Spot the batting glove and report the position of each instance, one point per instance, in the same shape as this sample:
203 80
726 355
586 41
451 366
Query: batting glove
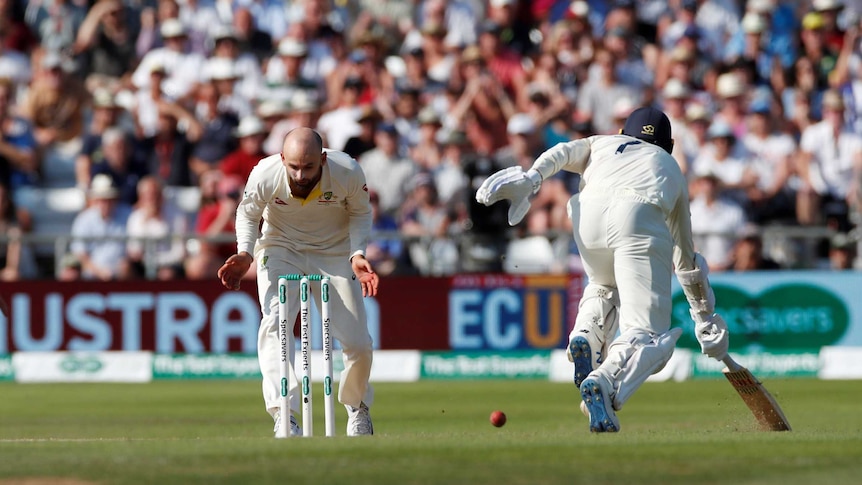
514 185
711 331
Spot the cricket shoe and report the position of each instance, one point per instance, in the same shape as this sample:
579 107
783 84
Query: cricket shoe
295 430
359 421
581 354
603 418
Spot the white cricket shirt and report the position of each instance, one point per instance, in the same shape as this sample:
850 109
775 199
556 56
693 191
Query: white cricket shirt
334 219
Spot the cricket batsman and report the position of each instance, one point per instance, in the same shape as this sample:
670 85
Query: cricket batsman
316 220
632 226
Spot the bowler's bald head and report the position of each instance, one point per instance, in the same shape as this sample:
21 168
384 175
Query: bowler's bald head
302 143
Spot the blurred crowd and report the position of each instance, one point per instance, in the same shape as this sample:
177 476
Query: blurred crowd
126 98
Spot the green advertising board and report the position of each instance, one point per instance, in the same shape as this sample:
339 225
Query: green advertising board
486 365
786 317
206 366
7 372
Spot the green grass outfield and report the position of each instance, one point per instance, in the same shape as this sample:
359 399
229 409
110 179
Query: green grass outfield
430 432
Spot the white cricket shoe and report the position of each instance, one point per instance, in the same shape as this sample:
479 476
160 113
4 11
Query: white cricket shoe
295 430
359 421
603 418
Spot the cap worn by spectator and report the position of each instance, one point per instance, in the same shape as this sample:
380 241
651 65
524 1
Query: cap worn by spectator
434 29
760 6
691 32
502 3
220 69
290 47
675 89
303 102
760 106
812 21
428 116
537 92
521 124
103 98
471 54
729 85
222 32
578 9
172 28
354 82
753 23
622 108
270 108
833 100
368 113
102 188
719 129
387 128
158 68
697 113
449 137
422 179
681 53
249 126
690 5
827 5
650 125
842 241
490 27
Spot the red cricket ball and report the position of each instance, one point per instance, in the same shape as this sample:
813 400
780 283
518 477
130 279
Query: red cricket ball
498 418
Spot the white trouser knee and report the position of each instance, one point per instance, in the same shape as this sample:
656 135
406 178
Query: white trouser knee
597 321
633 357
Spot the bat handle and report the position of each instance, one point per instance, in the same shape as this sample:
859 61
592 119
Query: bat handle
731 364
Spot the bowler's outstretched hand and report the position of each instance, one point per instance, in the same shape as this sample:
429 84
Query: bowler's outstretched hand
232 271
368 279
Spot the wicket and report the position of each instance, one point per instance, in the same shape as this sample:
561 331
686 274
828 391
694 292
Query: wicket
305 352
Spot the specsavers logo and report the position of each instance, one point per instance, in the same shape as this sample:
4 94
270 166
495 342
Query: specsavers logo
782 317
86 364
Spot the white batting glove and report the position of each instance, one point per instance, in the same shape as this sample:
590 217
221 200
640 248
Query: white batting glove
711 331
514 185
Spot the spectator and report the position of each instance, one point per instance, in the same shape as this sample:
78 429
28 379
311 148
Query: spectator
117 159
167 152
250 38
424 218
16 257
201 19
425 152
731 89
241 161
771 198
748 253
105 115
219 198
18 162
724 159
830 166
182 67
383 251
14 65
548 210
358 145
842 252
675 95
55 23
98 234
245 66
105 42
503 61
340 124
155 230
15 35
449 175
597 97
285 74
715 222
55 102
483 106
386 171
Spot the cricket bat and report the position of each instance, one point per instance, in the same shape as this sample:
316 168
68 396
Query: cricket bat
764 407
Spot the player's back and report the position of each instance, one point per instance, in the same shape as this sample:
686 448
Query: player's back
623 163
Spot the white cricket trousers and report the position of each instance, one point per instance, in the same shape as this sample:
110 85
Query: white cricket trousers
347 313
625 243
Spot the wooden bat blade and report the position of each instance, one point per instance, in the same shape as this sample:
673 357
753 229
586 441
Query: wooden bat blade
764 407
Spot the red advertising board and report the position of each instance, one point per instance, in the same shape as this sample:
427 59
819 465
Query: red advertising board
465 312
